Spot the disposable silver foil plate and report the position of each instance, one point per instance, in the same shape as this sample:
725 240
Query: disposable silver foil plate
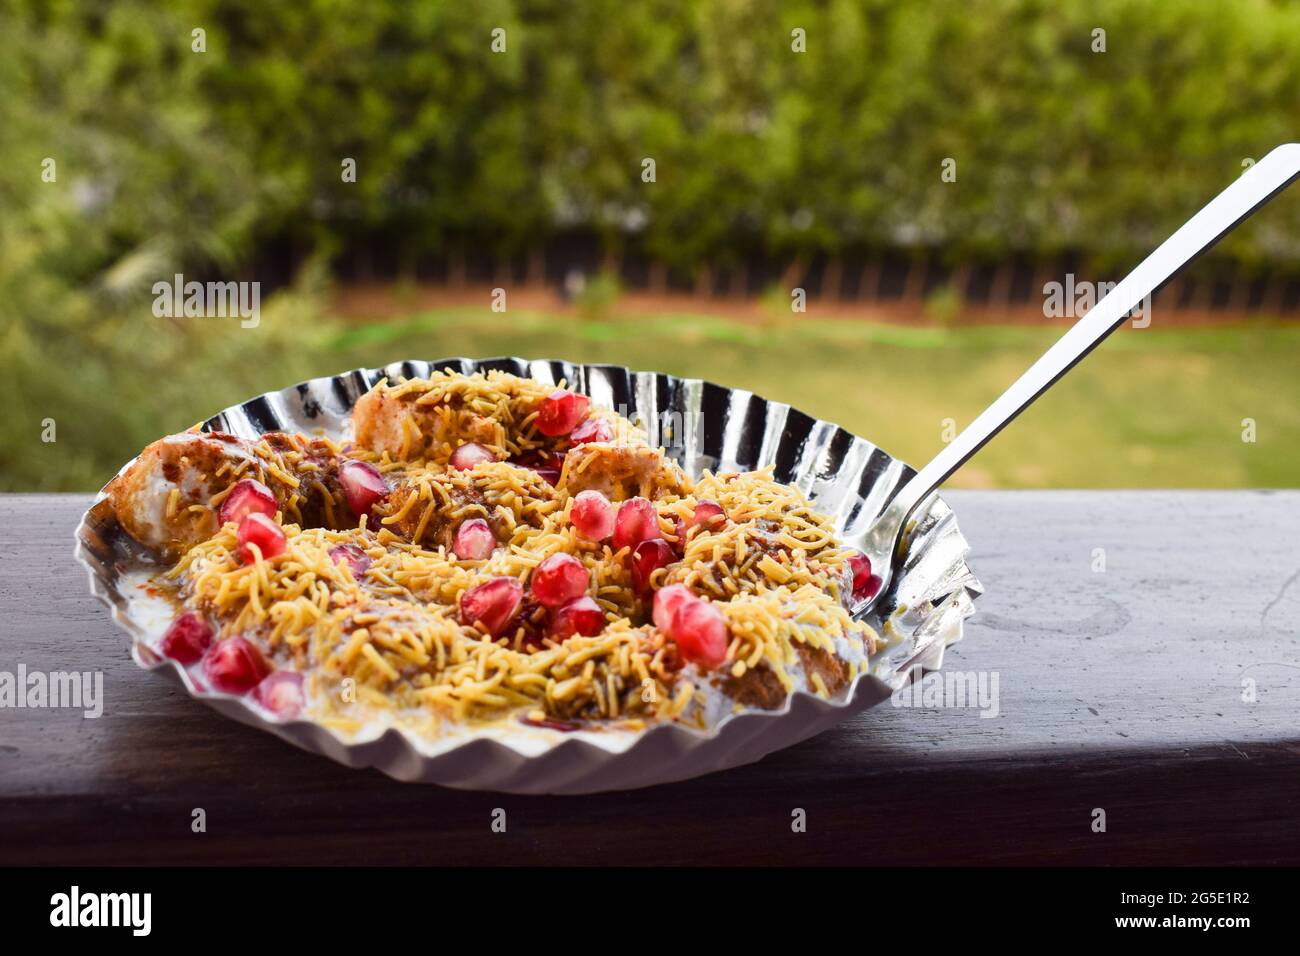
702 426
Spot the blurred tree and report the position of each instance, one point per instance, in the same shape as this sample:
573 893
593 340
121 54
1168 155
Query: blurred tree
169 159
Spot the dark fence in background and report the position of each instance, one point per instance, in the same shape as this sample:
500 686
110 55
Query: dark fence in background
864 277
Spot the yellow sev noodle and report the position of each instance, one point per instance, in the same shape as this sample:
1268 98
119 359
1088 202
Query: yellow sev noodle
394 640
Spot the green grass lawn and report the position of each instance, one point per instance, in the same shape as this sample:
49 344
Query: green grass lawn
1150 408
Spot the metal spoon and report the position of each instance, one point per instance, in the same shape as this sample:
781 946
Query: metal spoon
883 542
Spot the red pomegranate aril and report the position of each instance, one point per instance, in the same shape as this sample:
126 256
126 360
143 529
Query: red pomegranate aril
709 515
354 557
636 521
474 540
235 666
539 458
591 429
544 464
579 616
257 529
860 565
869 588
281 694
493 605
559 579
248 496
560 412
701 633
592 515
187 638
363 485
470 454
648 558
667 603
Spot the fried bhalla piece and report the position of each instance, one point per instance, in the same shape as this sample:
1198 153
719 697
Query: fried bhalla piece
390 421
622 471
427 419
169 498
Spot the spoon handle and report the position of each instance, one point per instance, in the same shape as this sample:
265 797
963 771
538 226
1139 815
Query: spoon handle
1256 186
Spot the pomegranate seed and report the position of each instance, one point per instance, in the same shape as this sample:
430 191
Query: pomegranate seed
592 429
648 558
560 412
552 472
470 454
860 565
592 515
545 464
667 602
709 515
493 604
701 633
552 475
257 529
579 616
559 579
539 458
235 666
281 694
869 589
248 496
187 638
355 558
637 521
474 540
363 485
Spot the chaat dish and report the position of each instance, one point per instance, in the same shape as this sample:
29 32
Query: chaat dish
487 548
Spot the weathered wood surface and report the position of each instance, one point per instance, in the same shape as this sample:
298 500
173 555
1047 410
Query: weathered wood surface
1119 689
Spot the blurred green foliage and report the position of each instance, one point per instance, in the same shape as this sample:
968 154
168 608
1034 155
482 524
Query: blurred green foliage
1056 146
169 160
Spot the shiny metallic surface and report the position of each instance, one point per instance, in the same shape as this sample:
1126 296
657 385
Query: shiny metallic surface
702 426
